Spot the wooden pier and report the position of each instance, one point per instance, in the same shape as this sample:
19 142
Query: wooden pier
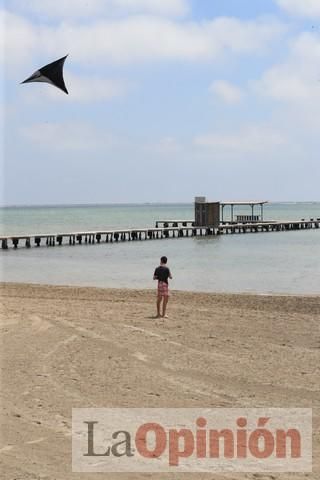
164 229
174 223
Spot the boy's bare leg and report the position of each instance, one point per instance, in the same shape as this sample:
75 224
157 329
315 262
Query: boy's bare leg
158 305
164 306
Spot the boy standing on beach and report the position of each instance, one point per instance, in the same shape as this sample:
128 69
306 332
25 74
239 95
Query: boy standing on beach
162 273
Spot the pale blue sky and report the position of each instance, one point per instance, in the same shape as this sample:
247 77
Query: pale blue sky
168 99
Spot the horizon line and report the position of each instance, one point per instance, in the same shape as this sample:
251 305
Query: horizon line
57 205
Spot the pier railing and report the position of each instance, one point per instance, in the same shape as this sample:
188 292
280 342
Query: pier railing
169 229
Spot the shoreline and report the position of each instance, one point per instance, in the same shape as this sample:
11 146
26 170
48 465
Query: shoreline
153 289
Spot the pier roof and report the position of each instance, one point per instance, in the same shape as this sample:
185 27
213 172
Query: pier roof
261 202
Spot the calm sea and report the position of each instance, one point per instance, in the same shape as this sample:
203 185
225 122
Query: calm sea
284 262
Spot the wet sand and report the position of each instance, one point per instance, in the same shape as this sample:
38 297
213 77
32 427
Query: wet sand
65 347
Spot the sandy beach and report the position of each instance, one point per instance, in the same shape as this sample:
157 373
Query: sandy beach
65 347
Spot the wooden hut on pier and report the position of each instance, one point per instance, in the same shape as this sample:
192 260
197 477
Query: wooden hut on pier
212 214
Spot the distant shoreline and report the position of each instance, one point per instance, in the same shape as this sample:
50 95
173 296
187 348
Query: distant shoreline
140 204
116 204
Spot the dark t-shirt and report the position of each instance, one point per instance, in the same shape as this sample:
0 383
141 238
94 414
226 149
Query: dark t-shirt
162 273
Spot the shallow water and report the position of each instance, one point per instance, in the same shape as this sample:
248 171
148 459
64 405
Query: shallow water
282 262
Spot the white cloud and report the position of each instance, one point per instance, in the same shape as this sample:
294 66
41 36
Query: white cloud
166 146
17 35
297 79
150 39
226 91
246 140
68 136
136 39
89 89
304 8
105 8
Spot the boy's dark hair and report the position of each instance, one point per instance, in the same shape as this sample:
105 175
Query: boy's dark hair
163 259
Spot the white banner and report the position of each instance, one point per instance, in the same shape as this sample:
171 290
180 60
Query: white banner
191 440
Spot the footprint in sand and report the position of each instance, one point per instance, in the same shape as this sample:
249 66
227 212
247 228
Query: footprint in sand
140 356
38 440
39 325
6 322
7 448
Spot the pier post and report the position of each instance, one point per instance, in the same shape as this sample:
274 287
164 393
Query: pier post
170 229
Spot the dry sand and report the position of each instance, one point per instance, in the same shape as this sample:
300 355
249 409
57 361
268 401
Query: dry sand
67 347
